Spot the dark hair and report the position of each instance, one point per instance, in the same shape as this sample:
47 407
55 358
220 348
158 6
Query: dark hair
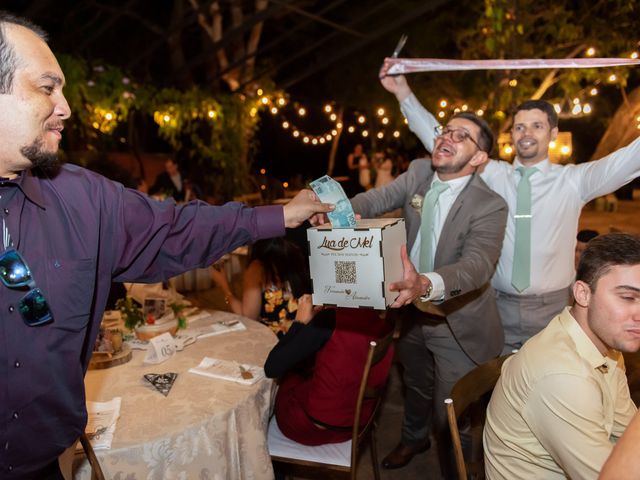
8 57
604 252
586 235
546 107
486 134
285 262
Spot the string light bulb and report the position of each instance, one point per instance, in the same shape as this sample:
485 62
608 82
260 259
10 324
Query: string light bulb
302 111
380 112
327 108
361 119
590 52
593 92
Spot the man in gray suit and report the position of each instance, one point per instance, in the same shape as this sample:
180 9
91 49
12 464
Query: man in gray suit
455 229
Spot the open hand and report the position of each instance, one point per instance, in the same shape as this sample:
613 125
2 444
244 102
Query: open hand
412 285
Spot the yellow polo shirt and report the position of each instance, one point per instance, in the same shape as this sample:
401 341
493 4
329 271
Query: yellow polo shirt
557 409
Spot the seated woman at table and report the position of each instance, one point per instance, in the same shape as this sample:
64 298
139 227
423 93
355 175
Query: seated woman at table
277 275
319 363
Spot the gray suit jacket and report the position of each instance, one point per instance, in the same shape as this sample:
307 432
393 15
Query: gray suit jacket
466 255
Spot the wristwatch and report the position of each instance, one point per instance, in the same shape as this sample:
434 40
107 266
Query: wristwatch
428 292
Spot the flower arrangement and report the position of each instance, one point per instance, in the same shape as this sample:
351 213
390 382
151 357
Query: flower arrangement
133 315
416 202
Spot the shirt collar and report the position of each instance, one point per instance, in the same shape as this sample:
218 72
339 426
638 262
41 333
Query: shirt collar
30 186
456 185
585 347
543 166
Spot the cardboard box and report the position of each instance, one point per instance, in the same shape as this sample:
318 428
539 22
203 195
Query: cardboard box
353 267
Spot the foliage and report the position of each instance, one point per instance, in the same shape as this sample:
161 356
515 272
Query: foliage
538 29
131 312
212 133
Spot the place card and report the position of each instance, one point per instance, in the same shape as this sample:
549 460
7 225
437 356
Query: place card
161 381
160 349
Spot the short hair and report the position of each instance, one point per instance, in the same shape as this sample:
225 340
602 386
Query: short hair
8 57
546 107
486 134
607 251
586 235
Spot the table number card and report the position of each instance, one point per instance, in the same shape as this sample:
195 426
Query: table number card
160 349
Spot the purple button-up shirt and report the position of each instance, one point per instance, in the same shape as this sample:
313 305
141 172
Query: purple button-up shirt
79 231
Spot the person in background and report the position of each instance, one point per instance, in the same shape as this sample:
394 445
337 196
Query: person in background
383 167
357 163
319 364
67 233
583 237
169 183
563 400
276 276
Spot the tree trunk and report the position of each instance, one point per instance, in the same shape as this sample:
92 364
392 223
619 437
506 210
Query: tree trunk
623 127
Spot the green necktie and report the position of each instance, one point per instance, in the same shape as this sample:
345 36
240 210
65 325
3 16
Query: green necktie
521 274
427 250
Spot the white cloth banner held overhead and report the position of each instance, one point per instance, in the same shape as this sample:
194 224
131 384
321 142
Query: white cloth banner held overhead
400 66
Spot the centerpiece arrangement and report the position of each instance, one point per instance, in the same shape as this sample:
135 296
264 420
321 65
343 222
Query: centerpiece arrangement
153 319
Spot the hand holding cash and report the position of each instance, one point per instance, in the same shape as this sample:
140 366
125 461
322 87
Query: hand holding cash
303 206
330 191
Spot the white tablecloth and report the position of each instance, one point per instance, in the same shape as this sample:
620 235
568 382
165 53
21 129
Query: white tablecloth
204 429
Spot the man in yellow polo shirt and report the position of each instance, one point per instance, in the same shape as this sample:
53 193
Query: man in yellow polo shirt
563 400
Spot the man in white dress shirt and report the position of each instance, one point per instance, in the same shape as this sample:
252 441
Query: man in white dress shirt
536 266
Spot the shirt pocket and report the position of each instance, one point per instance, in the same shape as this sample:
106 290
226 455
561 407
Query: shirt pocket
70 291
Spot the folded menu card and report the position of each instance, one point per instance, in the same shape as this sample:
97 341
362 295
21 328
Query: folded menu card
229 370
101 422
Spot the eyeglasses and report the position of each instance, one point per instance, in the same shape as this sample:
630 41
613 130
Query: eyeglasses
15 273
457 135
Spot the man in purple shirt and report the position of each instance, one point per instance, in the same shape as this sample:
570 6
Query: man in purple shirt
78 231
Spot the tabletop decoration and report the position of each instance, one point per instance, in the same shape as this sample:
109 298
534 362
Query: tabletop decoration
109 349
154 319
161 381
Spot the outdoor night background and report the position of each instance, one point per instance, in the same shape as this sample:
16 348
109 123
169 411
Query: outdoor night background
147 77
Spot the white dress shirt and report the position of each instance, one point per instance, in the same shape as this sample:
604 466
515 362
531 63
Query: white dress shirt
558 194
444 204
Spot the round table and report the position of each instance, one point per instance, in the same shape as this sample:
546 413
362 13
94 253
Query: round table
204 429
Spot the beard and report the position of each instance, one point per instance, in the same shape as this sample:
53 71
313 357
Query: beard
39 157
454 168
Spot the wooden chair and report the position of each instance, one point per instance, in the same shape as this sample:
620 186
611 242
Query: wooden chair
337 460
470 395
96 471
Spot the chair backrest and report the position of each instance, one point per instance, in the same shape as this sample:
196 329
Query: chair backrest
470 390
377 351
96 471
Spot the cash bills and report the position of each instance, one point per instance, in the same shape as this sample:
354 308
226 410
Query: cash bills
330 191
